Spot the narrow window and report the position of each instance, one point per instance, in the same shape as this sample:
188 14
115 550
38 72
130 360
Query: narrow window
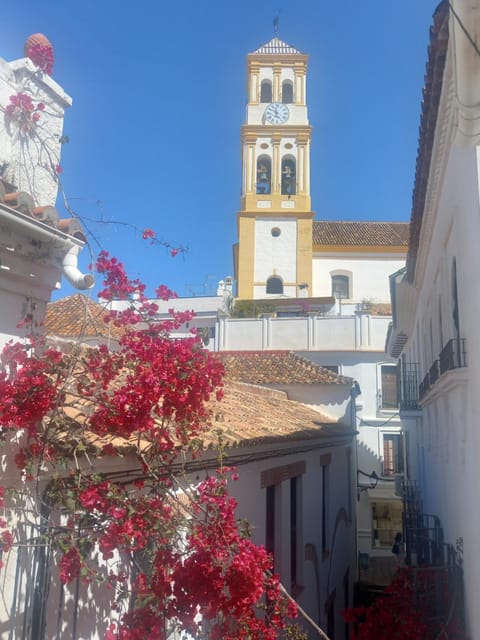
275 285
389 386
289 178
270 520
325 462
264 175
392 454
266 91
349 483
287 92
341 287
293 530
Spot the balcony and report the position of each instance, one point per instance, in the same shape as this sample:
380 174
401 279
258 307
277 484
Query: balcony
409 387
453 355
434 372
424 387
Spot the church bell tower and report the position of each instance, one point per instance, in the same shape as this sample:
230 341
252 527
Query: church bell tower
273 256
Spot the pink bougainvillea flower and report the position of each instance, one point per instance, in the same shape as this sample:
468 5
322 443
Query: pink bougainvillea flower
148 233
58 169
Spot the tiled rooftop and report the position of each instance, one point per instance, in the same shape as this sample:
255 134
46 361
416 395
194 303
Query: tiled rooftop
276 367
380 309
247 415
276 46
437 53
22 202
78 316
252 415
358 233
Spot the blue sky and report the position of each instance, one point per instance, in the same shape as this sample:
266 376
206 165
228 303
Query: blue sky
159 98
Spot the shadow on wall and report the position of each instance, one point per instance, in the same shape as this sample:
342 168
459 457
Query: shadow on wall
368 459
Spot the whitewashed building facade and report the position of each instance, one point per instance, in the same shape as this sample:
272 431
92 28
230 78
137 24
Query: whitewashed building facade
436 308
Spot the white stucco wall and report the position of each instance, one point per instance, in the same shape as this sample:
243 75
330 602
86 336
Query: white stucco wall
369 274
275 255
446 440
340 533
361 332
32 159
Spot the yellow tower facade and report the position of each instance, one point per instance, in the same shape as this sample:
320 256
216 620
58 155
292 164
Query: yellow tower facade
274 252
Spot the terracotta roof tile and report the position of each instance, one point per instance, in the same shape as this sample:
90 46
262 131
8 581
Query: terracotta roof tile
359 233
276 367
252 415
437 53
247 415
380 309
78 316
22 202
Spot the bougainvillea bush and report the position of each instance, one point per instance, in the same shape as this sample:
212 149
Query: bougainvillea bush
419 604
170 553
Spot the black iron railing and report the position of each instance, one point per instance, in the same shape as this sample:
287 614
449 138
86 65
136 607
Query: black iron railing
453 355
425 544
436 565
424 386
409 386
434 372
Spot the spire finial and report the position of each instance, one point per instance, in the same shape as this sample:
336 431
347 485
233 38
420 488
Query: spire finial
276 20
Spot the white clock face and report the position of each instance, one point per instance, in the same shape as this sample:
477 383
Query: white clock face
277 113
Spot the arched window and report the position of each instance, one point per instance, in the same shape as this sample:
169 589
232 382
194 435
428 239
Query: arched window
264 175
274 285
266 91
287 92
289 177
341 287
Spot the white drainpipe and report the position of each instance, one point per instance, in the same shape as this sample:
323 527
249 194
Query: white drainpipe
29 227
72 273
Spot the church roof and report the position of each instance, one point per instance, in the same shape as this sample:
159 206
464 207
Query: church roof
359 233
277 46
276 367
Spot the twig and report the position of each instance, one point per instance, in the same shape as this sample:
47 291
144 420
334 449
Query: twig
304 614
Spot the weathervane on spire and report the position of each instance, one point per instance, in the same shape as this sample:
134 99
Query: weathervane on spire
276 20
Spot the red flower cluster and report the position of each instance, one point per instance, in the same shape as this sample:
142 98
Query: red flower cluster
23 112
41 56
194 567
148 233
408 611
